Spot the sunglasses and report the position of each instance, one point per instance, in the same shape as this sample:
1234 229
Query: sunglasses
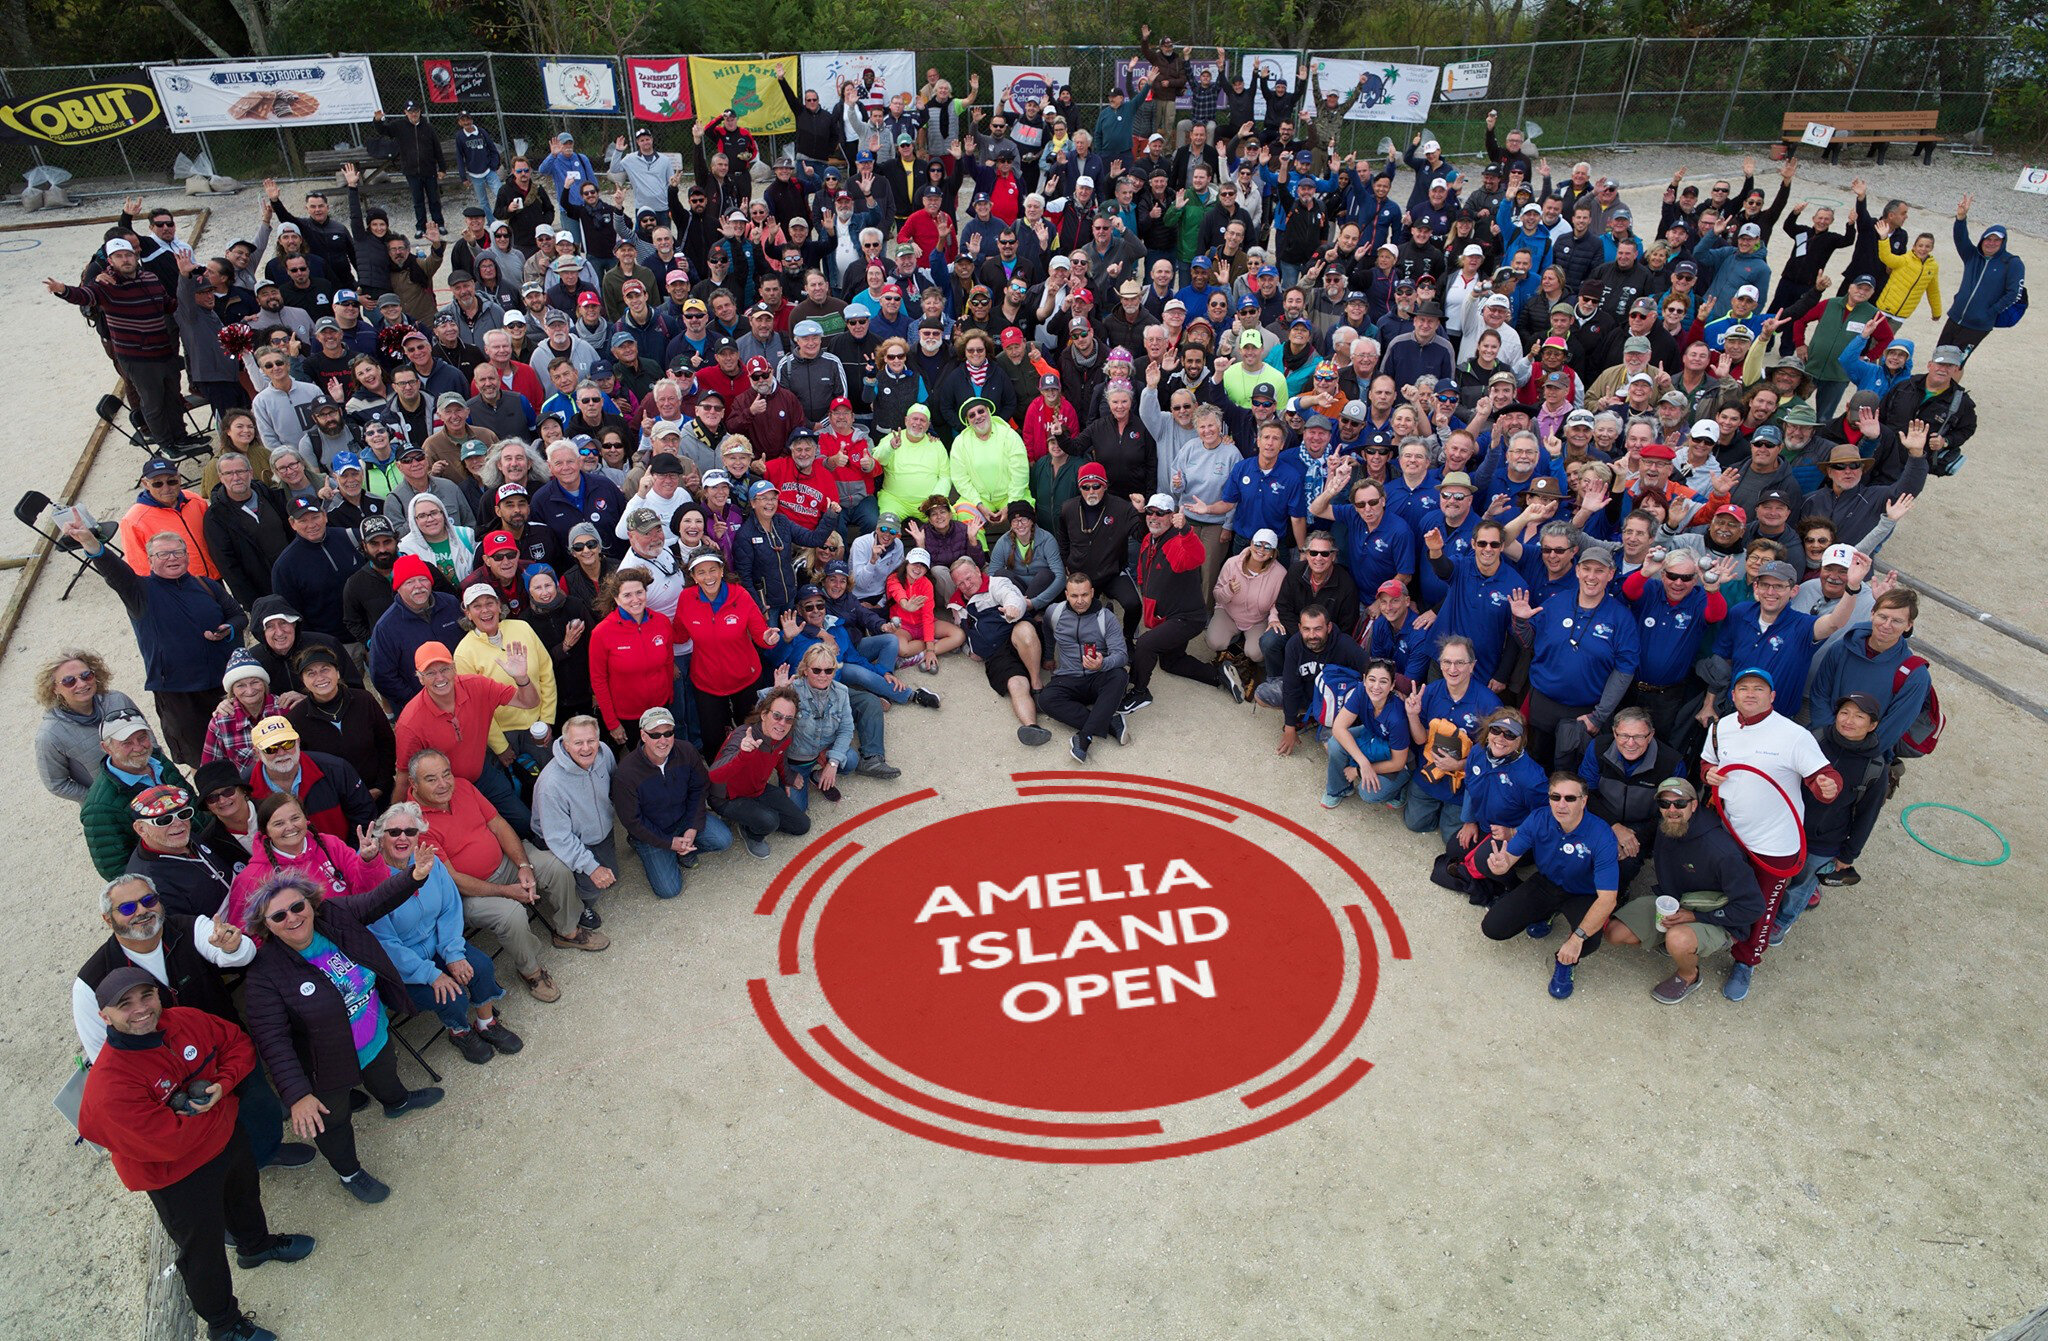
1503 732
1556 550
809 606
1673 805
166 821
582 545
1486 544
1093 484
1321 553
84 676
782 717
1681 577
292 909
286 748
819 670
403 833
214 798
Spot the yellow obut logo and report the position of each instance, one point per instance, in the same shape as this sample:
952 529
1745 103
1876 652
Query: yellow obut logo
83 115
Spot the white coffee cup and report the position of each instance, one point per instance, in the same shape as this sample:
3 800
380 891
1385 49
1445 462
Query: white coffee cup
539 730
1666 905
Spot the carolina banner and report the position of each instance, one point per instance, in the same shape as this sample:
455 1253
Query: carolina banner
1015 83
1393 92
880 75
660 87
746 87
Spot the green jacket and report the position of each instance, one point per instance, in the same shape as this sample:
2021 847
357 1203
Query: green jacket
1050 490
1830 335
1186 223
109 830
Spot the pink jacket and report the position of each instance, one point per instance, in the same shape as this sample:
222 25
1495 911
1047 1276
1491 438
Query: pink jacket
330 863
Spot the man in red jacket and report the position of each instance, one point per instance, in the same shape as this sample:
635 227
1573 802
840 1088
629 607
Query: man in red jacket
1169 574
160 1100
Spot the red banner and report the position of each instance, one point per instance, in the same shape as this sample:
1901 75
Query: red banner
660 89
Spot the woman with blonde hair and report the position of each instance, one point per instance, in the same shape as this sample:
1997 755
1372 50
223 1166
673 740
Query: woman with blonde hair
75 691
236 432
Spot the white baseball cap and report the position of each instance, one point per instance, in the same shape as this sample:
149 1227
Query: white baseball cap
1839 555
1706 428
1161 503
923 556
1748 291
1430 146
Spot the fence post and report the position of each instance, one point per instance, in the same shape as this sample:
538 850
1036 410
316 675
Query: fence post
1528 68
1736 91
1628 79
1857 78
498 105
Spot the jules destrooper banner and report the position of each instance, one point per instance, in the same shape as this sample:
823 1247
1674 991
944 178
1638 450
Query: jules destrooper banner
250 95
879 75
746 88
81 115
1015 84
1390 91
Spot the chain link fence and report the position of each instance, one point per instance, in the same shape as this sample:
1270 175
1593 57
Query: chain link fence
1582 95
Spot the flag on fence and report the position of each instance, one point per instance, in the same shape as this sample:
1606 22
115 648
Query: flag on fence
747 87
660 87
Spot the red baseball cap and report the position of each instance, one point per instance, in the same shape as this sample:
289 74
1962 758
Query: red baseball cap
498 542
1012 336
757 364
1657 451
1080 296
1729 510
890 291
1094 471
838 401
588 297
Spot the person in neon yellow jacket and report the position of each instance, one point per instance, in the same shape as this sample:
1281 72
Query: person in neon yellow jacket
481 652
991 469
914 465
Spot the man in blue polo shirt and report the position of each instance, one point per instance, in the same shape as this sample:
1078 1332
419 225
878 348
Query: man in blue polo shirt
1673 598
1376 546
1453 519
1578 873
1479 597
1263 488
1583 657
1765 633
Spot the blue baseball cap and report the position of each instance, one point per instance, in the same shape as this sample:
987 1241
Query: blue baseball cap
624 338
601 370
1757 671
760 487
1247 304
347 461
346 296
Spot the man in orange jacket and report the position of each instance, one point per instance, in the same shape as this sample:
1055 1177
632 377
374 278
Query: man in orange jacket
165 504
161 1099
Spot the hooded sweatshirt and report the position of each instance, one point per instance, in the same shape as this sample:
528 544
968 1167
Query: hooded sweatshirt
1989 284
572 806
1849 666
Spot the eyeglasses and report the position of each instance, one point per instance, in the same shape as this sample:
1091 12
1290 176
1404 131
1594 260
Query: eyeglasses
1556 551
1321 553
1673 805
782 717
1486 544
759 377
819 670
134 906
166 821
1092 484
214 798
1503 732
402 833
71 681
290 910
1566 797
809 606
1681 577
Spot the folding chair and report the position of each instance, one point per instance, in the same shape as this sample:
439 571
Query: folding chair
30 510
433 1076
126 421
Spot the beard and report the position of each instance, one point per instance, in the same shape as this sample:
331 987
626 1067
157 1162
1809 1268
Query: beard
145 926
1673 828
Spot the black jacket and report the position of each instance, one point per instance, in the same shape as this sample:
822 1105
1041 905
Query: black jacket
245 547
1706 858
416 147
352 727
296 1014
1339 596
193 883
195 981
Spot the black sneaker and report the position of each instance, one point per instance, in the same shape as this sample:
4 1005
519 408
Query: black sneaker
414 1101
1136 699
1033 735
829 793
1120 729
365 1188
1232 681
870 767
473 1049
283 1248
243 1328
291 1155
689 862
590 921
925 698
1078 747
499 1037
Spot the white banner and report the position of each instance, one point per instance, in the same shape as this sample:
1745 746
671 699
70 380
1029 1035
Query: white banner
1465 79
1012 84
1392 92
251 95
2033 180
880 75
1277 66
580 86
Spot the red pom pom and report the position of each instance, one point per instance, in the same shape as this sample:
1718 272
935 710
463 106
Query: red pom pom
236 339
391 340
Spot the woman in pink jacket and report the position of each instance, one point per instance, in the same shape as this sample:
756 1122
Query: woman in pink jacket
1247 588
286 842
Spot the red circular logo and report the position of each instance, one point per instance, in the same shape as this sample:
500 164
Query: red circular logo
1001 980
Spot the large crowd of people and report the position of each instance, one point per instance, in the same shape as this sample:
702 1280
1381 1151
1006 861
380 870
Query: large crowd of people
634 507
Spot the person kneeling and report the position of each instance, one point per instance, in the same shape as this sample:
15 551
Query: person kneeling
1700 867
752 783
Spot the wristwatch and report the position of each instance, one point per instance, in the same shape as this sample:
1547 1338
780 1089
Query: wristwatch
1580 932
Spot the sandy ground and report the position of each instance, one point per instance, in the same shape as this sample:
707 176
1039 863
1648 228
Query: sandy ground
1851 1153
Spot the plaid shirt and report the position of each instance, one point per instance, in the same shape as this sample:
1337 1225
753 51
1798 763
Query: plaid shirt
1202 101
227 734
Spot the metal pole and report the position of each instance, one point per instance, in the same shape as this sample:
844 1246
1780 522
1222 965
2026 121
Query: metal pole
1528 68
1857 78
1684 81
1628 72
1735 91
498 104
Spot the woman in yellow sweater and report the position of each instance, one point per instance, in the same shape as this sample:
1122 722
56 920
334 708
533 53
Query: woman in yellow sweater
1913 273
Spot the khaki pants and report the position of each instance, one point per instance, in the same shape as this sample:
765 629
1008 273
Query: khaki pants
507 918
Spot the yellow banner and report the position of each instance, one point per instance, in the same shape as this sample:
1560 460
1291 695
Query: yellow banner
747 87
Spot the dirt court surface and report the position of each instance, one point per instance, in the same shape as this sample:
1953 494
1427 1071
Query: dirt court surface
1854 1152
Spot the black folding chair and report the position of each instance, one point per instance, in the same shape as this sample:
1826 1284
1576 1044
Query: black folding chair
398 1032
30 510
127 421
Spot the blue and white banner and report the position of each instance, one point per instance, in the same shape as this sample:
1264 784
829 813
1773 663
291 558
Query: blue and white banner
255 95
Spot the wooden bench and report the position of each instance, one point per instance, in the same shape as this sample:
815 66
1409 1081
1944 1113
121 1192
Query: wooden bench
1879 130
370 158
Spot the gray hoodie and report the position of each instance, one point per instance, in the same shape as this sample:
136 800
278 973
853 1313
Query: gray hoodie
572 807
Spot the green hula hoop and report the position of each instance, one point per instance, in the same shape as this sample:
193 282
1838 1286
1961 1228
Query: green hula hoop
2005 847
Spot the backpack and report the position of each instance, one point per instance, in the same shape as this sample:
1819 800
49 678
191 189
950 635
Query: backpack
2012 314
1333 688
1925 732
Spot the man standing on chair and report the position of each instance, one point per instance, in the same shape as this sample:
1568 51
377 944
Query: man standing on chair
141 318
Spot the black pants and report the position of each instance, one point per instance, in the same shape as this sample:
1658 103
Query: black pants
1166 644
222 395
1556 737
718 714
1124 592
764 814
1535 900
1671 709
154 385
380 1078
1087 701
1965 338
221 1194
426 200
183 716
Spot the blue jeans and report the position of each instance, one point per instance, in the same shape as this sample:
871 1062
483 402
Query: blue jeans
665 869
881 650
483 989
1273 652
858 520
1421 812
1794 902
503 794
261 1116
606 850
1336 784
486 188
